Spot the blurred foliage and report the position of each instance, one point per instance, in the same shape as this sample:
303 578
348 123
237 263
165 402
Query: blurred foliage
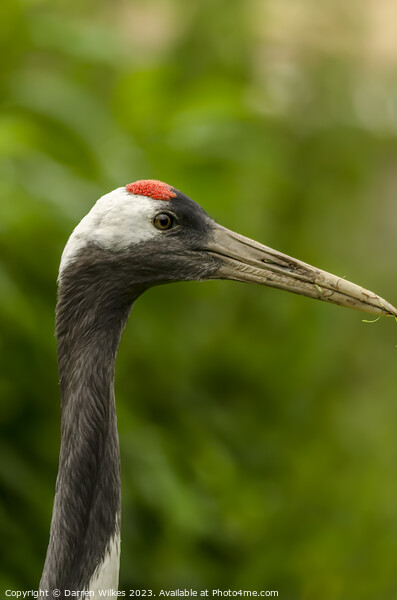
257 428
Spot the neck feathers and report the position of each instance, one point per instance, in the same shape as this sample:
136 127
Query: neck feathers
83 550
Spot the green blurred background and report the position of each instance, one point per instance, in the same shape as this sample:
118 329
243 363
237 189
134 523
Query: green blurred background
257 428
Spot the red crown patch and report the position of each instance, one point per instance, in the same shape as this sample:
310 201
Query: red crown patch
151 188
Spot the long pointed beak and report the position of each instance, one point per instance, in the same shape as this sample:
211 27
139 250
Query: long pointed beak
243 259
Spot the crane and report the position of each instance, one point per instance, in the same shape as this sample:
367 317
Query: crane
135 237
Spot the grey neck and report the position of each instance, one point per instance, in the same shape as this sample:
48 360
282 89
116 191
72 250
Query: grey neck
86 512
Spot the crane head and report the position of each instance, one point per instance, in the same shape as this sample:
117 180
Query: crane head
148 233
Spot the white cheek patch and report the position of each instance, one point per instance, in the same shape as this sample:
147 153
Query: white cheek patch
118 220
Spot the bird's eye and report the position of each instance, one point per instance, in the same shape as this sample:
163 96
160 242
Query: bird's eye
164 221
